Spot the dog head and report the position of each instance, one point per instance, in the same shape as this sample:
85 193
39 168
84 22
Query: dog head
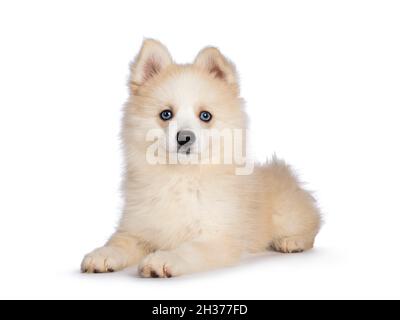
184 102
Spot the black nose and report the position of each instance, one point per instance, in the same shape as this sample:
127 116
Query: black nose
185 137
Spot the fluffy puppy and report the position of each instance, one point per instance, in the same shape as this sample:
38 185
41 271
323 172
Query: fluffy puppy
187 216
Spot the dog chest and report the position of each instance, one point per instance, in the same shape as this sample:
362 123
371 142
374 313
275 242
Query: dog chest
168 213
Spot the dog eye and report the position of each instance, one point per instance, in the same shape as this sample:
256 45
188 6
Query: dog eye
166 115
205 116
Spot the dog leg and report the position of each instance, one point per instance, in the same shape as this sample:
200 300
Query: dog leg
296 218
190 257
121 251
295 223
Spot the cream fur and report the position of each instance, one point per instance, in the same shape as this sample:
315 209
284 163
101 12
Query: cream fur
180 219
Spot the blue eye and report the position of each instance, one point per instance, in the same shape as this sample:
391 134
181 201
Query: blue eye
205 116
166 115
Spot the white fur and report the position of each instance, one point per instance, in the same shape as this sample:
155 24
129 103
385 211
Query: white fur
179 218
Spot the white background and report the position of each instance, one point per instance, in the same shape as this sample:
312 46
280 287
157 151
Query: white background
322 85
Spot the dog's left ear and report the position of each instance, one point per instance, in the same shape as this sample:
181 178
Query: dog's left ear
212 60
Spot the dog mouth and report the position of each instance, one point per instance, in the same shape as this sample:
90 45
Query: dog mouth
184 150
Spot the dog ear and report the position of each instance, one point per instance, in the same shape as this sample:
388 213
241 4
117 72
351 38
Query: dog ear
212 60
153 57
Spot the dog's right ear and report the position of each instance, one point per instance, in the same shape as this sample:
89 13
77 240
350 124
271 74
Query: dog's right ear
153 57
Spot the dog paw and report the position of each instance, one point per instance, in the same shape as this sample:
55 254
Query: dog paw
292 245
161 264
104 259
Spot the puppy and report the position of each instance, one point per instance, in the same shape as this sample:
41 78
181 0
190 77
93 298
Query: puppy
184 211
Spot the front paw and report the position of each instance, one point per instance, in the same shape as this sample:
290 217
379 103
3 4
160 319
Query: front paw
161 264
104 259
